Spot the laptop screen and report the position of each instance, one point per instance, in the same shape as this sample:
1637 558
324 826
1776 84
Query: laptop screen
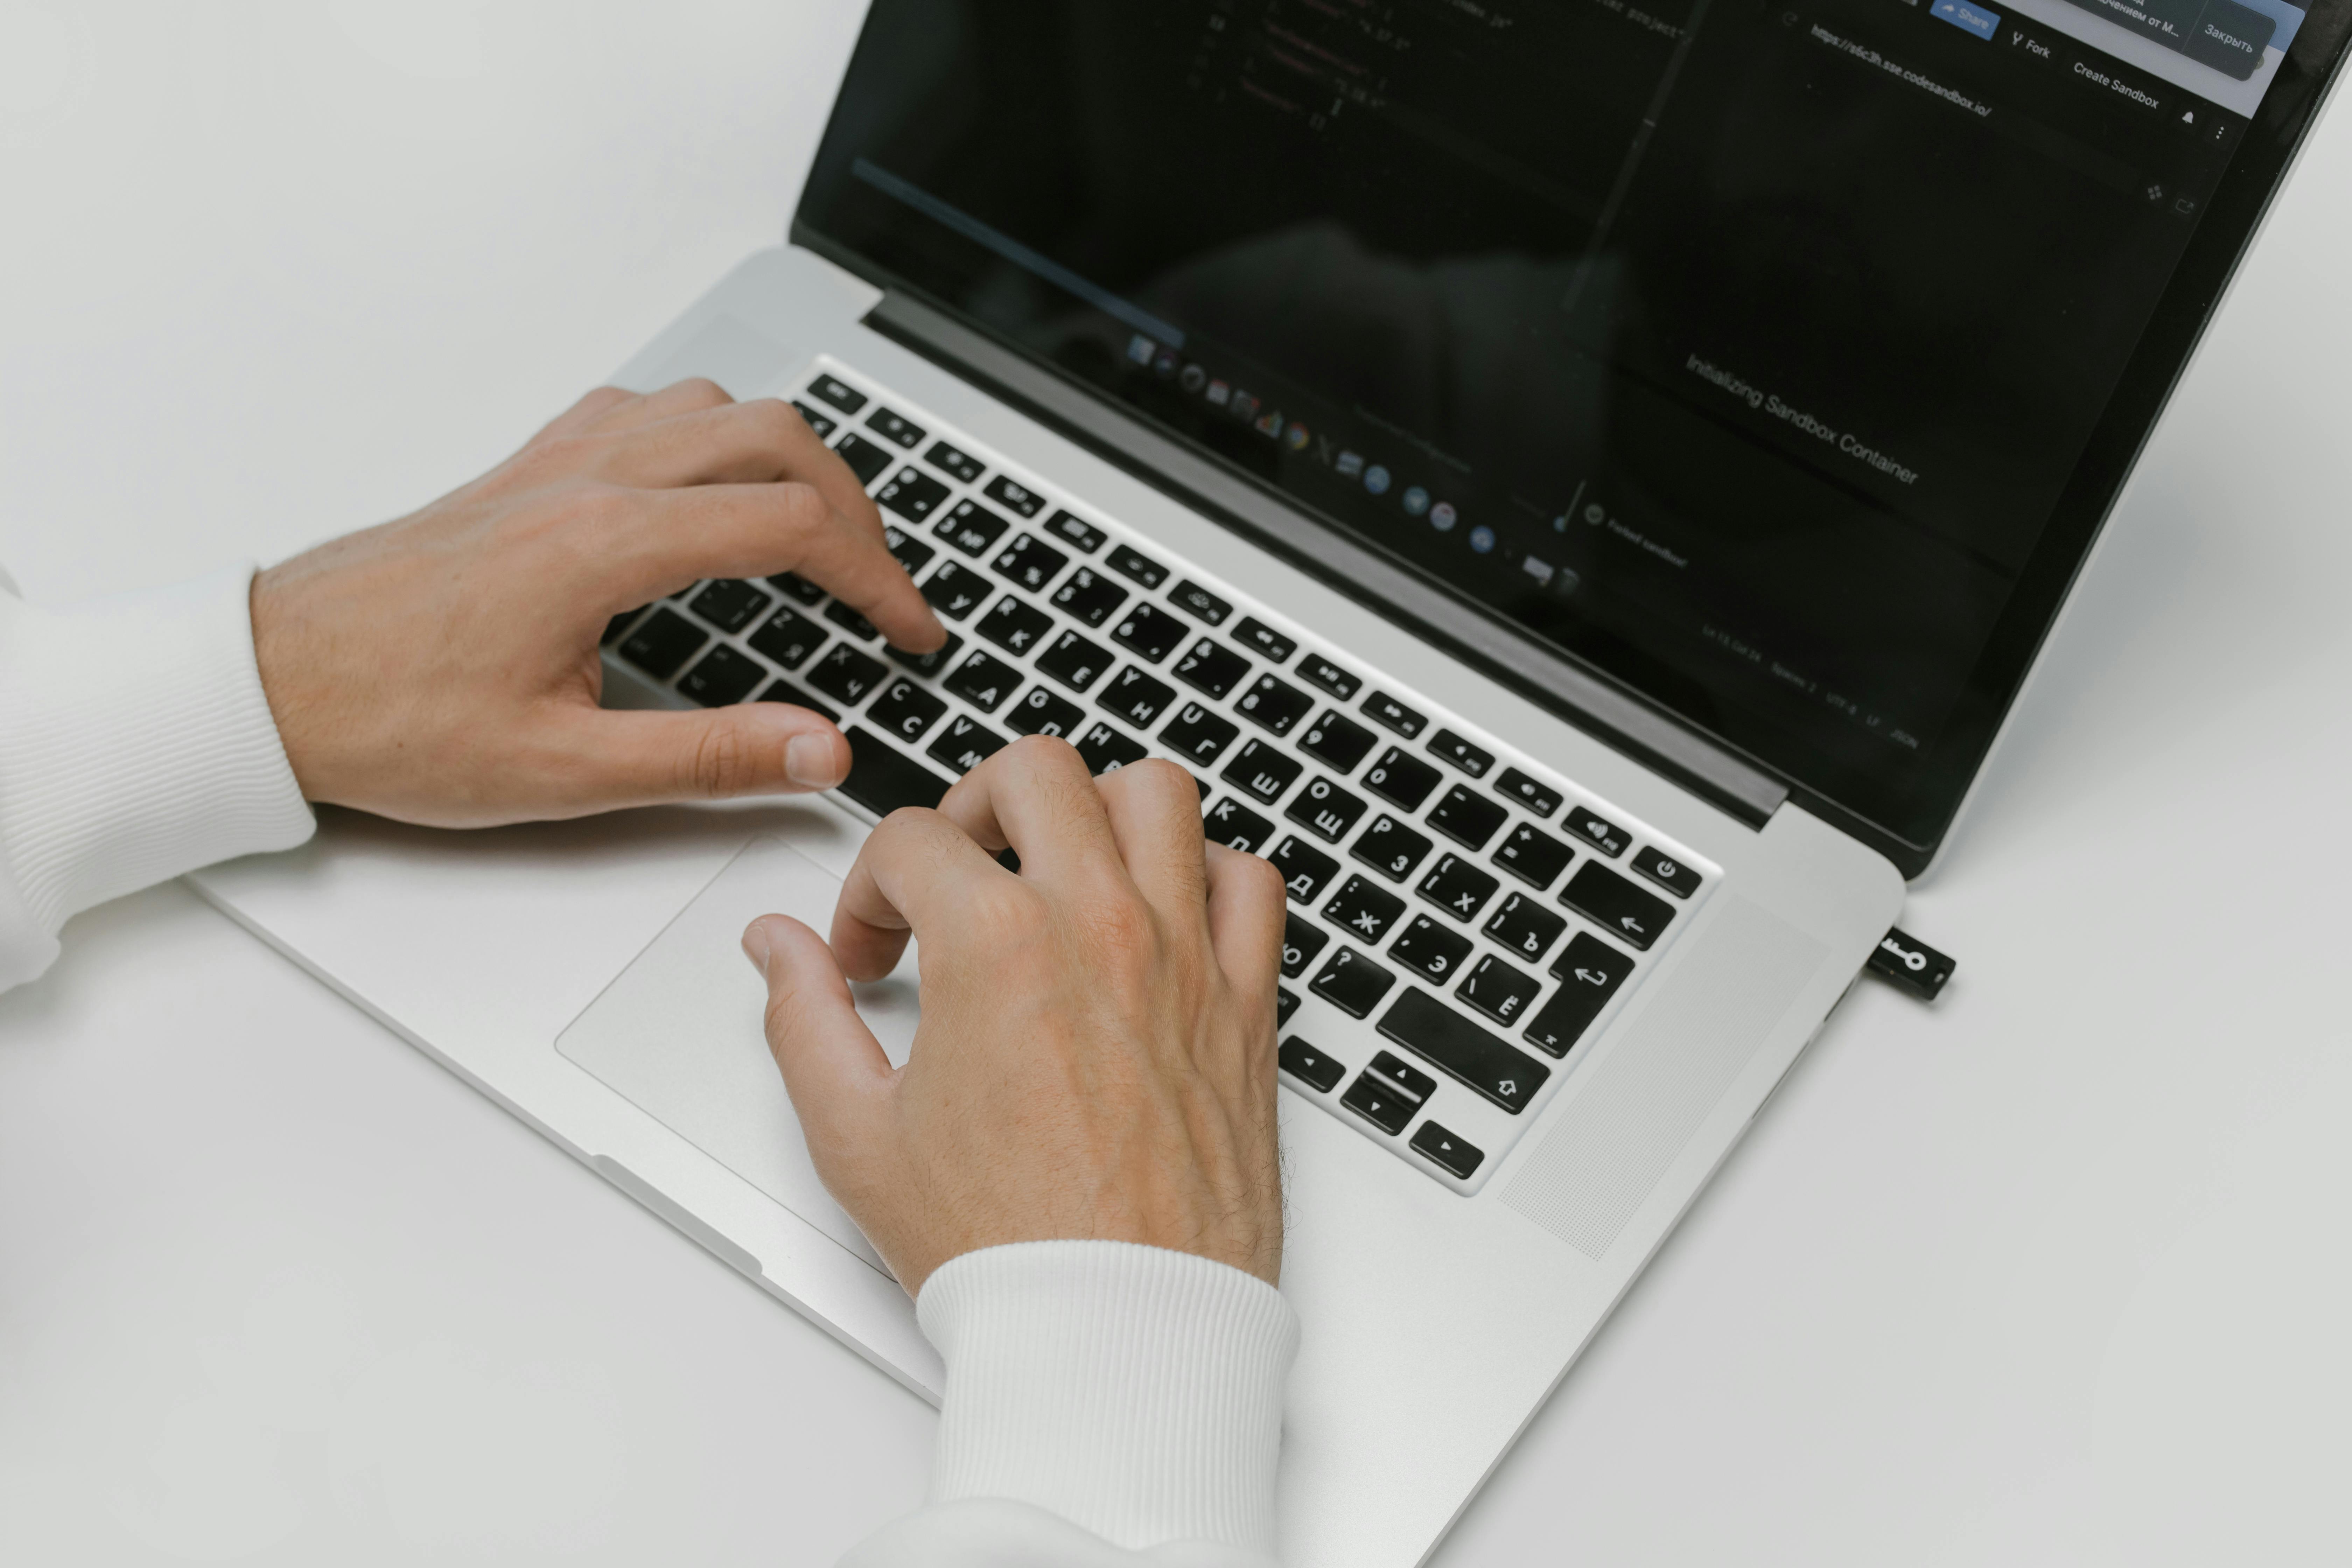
1777 358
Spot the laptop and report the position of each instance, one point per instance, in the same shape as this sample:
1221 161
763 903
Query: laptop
1579 484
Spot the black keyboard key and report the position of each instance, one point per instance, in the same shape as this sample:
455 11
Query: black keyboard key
1391 848
913 495
1462 1051
1377 1103
1014 625
725 674
1302 943
905 711
984 681
1534 856
894 428
971 528
882 779
1472 759
788 639
866 458
1337 740
1616 905
1402 779
1137 698
1674 876
1456 885
841 396
1075 531
729 604
1134 564
926 663
1529 795
1401 1074
786 692
846 675
619 624
948 461
1588 973
796 587
1264 641
1008 492
1089 596
1194 600
1326 810
1447 1151
1353 983
850 621
912 552
956 590
822 424
1364 910
1499 990
1200 736
1043 713
1211 667
1430 950
965 743
1105 750
1148 631
1029 563
1073 660
1467 819
1389 713
1261 771
1309 1065
1286 1003
1306 872
1526 927
663 645
1328 675
1236 827
1276 705
1603 836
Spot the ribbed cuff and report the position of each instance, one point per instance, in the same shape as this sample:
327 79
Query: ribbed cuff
1135 1392
135 744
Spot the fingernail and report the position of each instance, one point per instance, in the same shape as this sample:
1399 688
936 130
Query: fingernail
808 760
755 946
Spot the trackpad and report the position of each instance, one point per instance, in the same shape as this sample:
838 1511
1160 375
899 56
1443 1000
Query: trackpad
679 1033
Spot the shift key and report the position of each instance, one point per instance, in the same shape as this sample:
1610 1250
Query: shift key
1461 1049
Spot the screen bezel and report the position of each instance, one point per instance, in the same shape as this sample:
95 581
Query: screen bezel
2305 78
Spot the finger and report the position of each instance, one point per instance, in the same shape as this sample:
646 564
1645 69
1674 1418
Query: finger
914 870
611 758
644 544
1154 811
1245 920
1037 798
686 396
833 1068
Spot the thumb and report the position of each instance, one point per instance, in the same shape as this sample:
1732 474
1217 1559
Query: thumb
833 1068
642 757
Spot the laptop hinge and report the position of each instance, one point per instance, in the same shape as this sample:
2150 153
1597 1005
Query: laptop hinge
1361 571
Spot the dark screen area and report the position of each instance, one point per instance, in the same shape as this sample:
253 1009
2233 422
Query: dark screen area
1744 350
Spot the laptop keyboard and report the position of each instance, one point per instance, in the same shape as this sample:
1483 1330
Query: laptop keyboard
1461 918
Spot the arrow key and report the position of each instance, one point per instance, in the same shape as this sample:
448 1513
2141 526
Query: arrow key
1446 1151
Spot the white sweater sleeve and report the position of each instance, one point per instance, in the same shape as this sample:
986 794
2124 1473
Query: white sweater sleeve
1108 1405
135 744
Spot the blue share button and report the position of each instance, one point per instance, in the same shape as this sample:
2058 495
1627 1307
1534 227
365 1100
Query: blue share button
1976 19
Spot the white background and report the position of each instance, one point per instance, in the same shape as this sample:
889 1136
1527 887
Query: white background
2054 1273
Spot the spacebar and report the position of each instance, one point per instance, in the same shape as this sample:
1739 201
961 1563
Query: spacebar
882 780
1443 1038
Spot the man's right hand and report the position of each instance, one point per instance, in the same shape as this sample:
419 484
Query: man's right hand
1096 1060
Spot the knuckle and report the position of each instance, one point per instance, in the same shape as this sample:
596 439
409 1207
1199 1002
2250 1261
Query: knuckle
721 764
702 390
775 422
800 507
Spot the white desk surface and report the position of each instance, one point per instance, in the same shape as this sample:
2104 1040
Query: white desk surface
2055 1273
